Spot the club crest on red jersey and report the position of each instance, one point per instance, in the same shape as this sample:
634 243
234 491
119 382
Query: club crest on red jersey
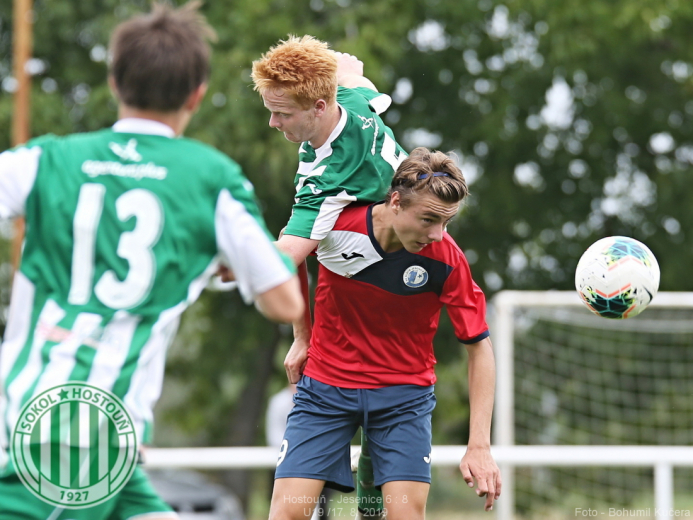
415 276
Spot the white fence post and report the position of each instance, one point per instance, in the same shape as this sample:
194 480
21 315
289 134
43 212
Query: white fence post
664 490
504 420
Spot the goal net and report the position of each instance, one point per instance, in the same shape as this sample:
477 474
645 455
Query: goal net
568 377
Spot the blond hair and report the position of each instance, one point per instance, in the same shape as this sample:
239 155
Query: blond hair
426 171
304 67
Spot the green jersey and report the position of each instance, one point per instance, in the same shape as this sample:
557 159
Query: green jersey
124 228
356 163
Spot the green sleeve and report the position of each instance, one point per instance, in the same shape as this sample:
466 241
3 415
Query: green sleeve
319 201
360 98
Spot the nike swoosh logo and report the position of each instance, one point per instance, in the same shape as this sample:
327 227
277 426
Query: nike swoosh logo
427 460
650 295
352 255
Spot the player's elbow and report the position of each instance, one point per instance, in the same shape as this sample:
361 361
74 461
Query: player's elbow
298 248
282 303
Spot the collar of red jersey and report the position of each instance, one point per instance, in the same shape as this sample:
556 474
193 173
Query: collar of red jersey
136 125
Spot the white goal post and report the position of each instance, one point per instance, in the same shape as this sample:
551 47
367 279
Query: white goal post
661 458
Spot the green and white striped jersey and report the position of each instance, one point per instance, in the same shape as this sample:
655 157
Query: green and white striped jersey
356 163
124 228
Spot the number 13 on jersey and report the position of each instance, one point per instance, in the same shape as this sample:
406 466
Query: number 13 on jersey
134 246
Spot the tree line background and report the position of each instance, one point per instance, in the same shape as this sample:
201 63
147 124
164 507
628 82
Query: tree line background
571 120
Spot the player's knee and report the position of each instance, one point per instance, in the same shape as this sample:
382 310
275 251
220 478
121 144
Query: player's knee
410 511
283 513
283 508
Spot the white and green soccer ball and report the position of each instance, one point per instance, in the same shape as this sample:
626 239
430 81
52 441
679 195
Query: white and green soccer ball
617 277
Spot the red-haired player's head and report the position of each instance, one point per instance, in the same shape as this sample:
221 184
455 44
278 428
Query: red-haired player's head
297 80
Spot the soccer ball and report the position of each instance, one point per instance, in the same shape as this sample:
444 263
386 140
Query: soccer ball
617 277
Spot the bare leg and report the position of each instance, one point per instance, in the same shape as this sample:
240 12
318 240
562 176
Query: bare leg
405 500
360 516
295 498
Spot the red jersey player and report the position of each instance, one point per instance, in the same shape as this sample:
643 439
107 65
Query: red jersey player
386 271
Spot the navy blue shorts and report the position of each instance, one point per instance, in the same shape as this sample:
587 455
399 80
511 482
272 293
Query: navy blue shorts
325 418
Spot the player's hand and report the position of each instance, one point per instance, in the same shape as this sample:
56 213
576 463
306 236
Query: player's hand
347 65
225 274
295 360
478 464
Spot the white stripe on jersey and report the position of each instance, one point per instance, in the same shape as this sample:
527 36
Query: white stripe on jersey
147 380
45 425
85 443
16 334
50 315
201 282
64 448
112 350
18 169
4 441
246 249
317 172
330 209
306 168
348 243
63 356
18 323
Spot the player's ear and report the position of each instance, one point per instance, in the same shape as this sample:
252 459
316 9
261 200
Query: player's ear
195 98
395 202
113 87
320 106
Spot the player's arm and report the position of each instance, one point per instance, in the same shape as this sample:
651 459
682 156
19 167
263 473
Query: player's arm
350 72
309 218
281 303
298 249
466 306
477 462
263 273
297 357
